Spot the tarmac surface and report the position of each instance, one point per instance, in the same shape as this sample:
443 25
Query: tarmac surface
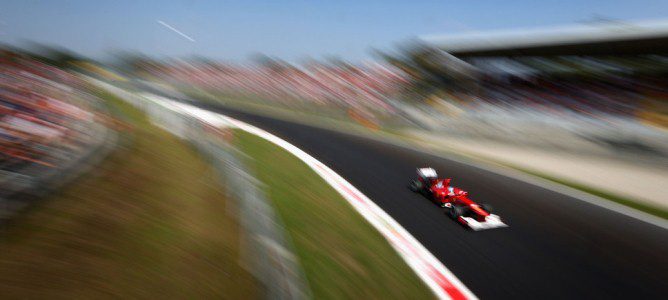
556 246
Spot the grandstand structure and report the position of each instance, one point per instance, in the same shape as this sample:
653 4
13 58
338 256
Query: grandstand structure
601 38
603 48
601 70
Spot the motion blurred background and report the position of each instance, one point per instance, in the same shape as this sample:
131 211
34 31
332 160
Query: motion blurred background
574 92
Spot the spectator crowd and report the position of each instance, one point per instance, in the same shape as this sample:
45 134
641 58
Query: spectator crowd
583 87
345 85
43 115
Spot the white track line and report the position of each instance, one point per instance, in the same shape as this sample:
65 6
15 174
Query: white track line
441 280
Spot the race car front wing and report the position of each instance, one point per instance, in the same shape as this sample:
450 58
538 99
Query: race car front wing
492 221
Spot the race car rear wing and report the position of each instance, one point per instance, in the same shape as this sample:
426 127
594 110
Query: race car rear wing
427 173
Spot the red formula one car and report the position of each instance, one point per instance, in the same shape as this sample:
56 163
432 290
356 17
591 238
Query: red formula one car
455 200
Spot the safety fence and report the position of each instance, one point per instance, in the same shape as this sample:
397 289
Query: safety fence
267 249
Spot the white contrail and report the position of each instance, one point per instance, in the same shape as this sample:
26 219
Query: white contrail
176 30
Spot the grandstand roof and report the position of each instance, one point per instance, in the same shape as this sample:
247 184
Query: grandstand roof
601 38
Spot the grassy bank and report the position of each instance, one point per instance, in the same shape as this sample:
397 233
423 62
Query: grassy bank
341 254
150 222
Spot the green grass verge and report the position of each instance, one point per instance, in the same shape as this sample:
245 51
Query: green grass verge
150 222
342 255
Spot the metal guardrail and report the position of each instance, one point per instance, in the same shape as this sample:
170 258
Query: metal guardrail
267 249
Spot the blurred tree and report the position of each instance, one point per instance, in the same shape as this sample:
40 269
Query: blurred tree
54 55
131 62
431 70
274 64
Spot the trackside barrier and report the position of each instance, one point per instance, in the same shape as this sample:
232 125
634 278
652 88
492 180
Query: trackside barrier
267 251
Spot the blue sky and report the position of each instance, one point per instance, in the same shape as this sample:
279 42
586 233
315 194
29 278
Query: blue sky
292 30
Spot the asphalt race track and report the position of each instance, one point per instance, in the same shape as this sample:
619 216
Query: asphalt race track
556 246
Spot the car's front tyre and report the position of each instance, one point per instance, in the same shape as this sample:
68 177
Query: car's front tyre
415 186
486 207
